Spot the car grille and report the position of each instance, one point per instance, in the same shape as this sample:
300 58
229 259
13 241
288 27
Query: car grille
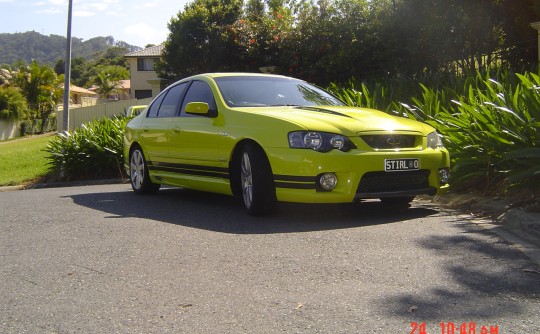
390 141
380 182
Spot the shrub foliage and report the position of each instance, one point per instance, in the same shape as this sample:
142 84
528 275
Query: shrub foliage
12 104
94 151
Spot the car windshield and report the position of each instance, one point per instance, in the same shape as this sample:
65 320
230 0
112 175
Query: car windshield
246 91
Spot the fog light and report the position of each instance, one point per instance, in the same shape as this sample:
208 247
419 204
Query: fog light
328 181
444 175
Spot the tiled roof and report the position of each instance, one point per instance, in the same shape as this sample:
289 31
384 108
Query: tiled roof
124 84
153 51
80 90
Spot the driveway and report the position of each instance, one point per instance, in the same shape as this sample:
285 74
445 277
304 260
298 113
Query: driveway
100 259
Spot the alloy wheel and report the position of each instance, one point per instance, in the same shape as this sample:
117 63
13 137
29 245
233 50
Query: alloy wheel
136 169
246 176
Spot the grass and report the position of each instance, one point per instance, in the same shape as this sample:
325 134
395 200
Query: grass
23 160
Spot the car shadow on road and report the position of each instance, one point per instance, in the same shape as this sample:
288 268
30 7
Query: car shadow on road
491 280
224 214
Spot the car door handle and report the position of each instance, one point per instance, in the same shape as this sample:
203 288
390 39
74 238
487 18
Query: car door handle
176 130
145 129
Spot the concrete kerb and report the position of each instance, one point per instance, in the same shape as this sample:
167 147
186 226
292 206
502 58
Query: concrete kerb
63 184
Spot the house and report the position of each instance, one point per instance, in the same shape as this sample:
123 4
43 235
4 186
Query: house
124 90
81 97
144 79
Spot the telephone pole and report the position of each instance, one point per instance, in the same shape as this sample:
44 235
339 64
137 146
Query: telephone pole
67 71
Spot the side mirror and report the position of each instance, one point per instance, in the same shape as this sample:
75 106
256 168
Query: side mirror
197 108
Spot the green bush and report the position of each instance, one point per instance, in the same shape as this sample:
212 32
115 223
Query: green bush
94 151
34 126
490 123
12 104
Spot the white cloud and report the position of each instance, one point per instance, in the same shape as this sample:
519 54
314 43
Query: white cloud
83 13
99 6
149 5
49 11
146 33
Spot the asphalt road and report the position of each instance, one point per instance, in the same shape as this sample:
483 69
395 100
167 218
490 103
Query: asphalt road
100 259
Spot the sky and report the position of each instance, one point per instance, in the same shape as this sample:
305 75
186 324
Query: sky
136 22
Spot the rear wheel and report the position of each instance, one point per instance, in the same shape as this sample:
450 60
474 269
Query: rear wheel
257 188
138 173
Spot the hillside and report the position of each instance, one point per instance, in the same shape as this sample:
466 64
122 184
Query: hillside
31 45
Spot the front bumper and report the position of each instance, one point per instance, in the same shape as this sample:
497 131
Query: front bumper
360 174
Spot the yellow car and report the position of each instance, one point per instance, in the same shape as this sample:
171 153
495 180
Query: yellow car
269 138
135 110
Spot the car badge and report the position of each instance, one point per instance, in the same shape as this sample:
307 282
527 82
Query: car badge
394 141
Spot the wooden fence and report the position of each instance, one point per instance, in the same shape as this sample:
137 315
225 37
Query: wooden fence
79 116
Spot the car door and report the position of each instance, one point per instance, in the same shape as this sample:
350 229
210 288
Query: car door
196 140
157 126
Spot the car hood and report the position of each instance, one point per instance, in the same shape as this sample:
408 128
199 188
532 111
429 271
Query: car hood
346 120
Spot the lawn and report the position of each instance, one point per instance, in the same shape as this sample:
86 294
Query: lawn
23 160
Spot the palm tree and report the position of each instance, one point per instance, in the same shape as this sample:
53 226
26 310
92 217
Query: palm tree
42 89
108 79
106 86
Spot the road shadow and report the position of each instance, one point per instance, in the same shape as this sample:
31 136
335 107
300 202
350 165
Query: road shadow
224 214
492 280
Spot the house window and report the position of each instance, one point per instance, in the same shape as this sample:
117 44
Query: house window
146 64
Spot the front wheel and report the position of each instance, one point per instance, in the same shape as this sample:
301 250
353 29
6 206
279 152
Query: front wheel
138 173
257 188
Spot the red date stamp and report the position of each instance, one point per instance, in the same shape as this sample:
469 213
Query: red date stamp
452 328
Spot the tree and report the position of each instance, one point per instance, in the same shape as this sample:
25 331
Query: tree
334 40
79 70
108 79
459 34
42 89
198 41
520 45
12 104
259 34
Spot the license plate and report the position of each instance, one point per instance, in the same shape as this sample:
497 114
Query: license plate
395 165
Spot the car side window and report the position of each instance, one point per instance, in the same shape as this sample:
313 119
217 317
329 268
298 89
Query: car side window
169 106
154 107
199 91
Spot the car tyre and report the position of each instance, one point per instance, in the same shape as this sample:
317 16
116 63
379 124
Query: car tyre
257 189
138 173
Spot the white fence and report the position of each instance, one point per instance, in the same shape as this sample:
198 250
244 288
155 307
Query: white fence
79 116
9 129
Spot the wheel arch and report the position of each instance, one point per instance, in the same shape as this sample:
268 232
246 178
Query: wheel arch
133 145
234 163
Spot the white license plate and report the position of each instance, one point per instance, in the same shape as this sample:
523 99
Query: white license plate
394 165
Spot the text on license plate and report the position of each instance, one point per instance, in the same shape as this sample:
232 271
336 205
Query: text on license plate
392 165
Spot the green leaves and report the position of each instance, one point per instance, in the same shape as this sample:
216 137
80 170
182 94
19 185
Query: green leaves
108 79
94 151
12 104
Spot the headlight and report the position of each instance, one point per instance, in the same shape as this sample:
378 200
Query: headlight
320 141
434 140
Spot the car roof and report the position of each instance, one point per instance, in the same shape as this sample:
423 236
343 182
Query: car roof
238 74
